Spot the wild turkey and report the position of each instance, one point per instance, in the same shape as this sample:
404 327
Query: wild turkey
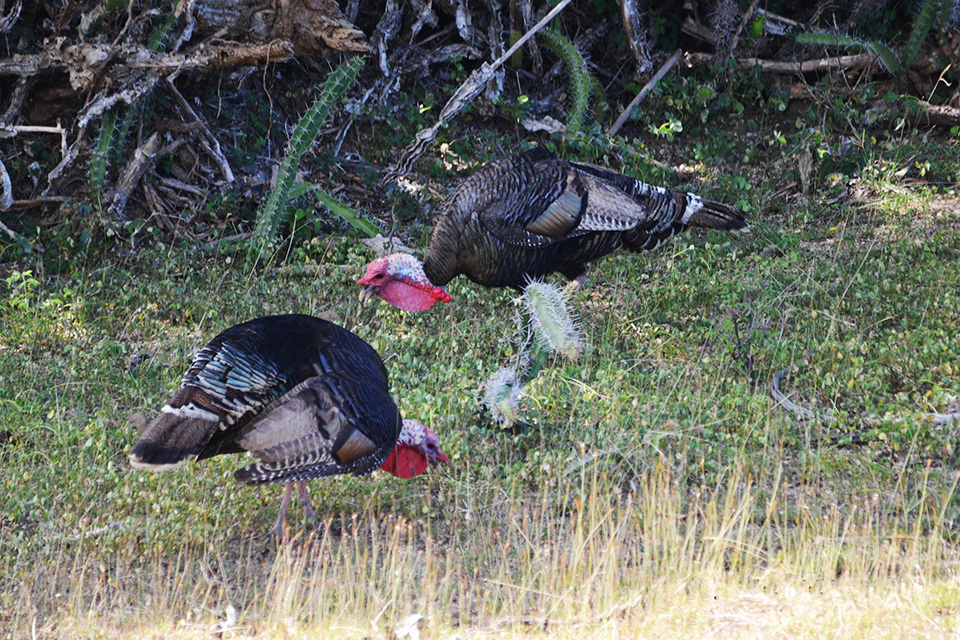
527 215
307 397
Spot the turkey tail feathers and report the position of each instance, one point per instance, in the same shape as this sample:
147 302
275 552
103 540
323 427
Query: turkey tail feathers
708 214
176 435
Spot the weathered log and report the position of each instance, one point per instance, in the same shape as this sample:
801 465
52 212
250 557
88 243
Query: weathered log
310 25
84 61
841 63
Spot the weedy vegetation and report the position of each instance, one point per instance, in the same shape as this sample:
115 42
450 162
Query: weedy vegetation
650 487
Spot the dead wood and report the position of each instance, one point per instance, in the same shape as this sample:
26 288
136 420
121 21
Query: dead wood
311 26
918 112
839 63
6 188
636 30
85 62
468 91
210 143
143 159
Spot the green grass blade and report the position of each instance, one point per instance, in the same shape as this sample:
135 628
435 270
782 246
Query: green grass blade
346 212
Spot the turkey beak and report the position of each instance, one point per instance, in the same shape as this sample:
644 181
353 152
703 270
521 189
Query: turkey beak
441 458
367 293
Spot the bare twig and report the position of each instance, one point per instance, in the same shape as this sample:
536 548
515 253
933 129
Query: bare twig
9 131
72 152
213 244
469 90
643 92
210 144
36 202
143 159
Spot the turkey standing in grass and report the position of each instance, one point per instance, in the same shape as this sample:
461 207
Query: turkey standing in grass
307 397
527 215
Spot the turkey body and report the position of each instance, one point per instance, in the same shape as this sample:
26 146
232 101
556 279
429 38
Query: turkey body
528 215
305 396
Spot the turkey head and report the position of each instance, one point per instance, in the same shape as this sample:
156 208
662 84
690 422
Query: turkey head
400 280
417 448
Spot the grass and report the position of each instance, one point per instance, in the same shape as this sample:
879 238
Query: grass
650 488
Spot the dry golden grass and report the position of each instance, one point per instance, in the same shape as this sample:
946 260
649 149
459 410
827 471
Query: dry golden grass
604 560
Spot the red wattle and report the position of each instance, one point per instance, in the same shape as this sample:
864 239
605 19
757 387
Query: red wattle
405 462
407 297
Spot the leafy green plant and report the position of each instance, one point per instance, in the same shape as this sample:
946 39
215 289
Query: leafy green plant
274 207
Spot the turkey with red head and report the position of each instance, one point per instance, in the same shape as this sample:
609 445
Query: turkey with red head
528 215
305 396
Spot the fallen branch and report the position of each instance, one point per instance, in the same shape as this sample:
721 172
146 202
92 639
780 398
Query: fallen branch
213 244
85 61
918 112
841 63
647 88
36 202
143 158
209 142
6 192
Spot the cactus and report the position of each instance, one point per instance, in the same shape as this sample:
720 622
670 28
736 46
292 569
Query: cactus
546 327
579 77
926 18
273 208
552 322
97 172
502 396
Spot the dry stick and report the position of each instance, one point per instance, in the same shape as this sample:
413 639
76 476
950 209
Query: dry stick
469 90
643 92
743 23
209 143
9 131
36 202
143 158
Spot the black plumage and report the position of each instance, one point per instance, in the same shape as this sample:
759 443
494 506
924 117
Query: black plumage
305 396
531 214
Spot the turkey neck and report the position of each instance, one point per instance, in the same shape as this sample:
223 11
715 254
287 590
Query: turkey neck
440 263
